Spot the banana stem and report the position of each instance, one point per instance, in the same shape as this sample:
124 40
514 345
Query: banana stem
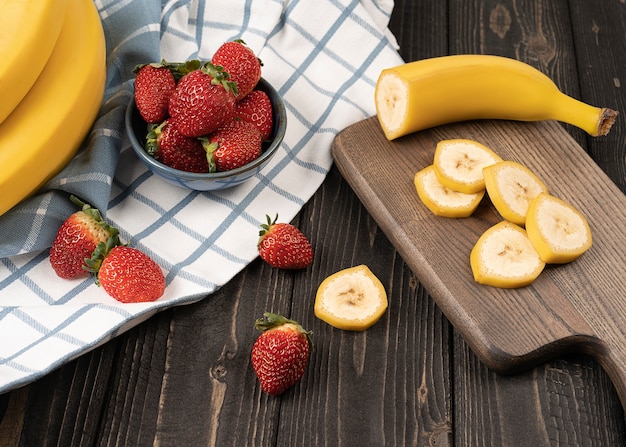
607 120
596 121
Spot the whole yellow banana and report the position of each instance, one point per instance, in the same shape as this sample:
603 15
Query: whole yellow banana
430 92
28 32
46 129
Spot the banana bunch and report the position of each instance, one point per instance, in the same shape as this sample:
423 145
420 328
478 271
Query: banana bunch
55 90
430 92
31 27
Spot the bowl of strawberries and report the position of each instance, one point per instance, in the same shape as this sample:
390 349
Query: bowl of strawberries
206 125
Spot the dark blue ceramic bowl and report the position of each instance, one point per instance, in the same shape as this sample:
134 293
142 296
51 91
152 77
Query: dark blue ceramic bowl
137 130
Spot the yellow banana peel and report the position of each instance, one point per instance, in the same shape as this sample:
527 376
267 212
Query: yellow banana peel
431 92
47 127
29 30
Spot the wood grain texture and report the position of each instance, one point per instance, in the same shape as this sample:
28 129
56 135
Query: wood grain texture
575 64
350 369
573 306
599 30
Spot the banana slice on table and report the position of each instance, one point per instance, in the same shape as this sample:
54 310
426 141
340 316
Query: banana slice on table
557 230
440 199
352 299
504 257
459 164
511 187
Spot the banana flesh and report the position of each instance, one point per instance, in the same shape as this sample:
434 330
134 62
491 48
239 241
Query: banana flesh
512 187
351 299
459 164
558 231
28 31
440 199
46 129
431 92
504 257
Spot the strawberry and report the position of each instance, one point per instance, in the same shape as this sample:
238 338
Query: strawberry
241 63
281 353
127 274
284 246
233 145
166 144
154 84
77 238
256 108
203 101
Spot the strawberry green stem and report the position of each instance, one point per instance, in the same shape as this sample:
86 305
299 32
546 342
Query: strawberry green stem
265 228
220 77
92 264
272 321
152 138
178 69
209 148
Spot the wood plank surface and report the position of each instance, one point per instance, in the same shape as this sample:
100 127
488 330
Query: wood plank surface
572 307
600 43
578 403
184 378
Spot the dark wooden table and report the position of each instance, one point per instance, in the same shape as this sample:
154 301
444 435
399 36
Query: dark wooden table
184 376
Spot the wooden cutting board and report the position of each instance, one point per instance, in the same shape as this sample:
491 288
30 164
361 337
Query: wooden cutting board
579 306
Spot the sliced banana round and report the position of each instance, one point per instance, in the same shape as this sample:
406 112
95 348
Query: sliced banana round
459 164
352 299
511 187
440 199
557 230
504 257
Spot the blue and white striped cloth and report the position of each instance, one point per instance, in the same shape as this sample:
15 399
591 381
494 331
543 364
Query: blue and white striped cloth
323 56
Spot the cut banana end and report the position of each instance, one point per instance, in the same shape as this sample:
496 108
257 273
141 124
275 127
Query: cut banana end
558 231
352 299
459 164
504 257
511 187
391 98
440 199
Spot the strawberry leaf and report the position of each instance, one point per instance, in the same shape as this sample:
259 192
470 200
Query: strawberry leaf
220 77
152 138
272 321
210 148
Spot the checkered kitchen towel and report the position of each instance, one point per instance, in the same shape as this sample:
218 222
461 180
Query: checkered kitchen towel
323 57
